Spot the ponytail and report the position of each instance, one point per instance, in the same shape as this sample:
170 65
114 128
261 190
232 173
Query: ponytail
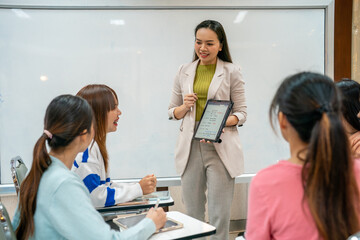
311 104
29 188
66 118
329 181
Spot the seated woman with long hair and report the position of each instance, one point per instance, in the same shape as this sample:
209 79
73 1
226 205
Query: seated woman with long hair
53 201
314 194
93 164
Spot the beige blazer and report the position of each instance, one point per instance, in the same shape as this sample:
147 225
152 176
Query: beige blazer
227 84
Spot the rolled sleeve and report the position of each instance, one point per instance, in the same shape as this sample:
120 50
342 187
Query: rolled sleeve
176 98
237 95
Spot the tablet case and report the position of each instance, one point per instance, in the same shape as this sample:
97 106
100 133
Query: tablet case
125 222
223 122
162 195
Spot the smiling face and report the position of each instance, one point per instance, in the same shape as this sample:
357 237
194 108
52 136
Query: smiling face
207 46
113 118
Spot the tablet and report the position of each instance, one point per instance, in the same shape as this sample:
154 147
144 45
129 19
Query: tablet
126 222
162 195
213 120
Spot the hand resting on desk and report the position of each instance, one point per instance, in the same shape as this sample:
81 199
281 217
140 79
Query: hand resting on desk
148 184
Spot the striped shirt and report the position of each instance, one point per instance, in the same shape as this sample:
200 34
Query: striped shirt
89 165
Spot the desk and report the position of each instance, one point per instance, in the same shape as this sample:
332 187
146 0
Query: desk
193 228
118 210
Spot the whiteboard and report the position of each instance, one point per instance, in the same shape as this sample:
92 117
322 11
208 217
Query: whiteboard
137 52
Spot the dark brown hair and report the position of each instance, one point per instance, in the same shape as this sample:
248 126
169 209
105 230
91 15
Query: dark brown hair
351 101
215 26
311 104
102 99
66 118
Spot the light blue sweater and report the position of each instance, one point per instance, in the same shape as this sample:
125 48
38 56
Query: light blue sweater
64 210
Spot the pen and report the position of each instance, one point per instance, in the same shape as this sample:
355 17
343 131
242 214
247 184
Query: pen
190 92
157 204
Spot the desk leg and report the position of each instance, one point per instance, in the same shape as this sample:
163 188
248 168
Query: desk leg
166 209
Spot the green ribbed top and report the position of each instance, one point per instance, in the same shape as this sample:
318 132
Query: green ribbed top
203 77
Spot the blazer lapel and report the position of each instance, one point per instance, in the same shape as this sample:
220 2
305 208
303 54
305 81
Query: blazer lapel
217 79
190 77
188 84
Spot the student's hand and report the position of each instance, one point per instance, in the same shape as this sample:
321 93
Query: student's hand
158 216
148 184
189 100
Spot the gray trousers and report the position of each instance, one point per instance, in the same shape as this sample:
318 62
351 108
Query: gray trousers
205 170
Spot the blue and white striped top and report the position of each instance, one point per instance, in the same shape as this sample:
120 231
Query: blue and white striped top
89 165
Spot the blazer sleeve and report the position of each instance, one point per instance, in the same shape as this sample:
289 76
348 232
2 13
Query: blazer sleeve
237 95
176 98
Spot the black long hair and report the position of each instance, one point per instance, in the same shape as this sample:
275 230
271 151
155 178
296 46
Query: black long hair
311 104
215 26
351 101
66 118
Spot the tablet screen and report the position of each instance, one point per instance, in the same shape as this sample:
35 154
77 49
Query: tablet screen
213 119
127 222
162 195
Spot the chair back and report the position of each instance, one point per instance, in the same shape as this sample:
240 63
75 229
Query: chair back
18 172
355 236
6 229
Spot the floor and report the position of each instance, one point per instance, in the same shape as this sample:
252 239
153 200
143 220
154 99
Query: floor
236 227
232 236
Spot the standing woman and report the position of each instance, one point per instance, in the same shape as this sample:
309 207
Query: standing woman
211 166
350 109
53 201
93 165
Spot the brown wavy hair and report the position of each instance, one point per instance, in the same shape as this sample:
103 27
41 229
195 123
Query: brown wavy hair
312 105
102 100
66 118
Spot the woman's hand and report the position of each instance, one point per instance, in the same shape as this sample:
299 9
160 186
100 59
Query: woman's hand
158 216
231 121
148 184
203 140
189 100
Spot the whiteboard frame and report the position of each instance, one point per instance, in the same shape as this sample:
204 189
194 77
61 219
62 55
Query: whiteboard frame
327 5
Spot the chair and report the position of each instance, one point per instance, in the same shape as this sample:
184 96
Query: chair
6 229
18 172
355 236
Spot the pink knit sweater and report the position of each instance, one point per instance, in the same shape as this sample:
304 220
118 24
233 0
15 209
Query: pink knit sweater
276 209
